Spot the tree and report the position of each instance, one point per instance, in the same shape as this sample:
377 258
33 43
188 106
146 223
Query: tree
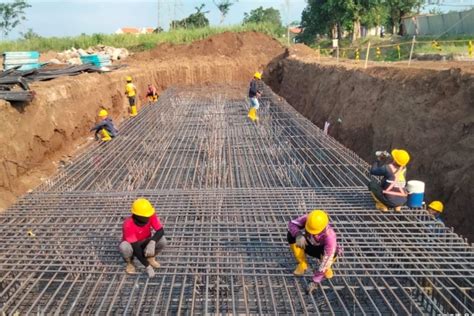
224 7
323 17
397 9
359 9
260 15
12 14
195 20
29 35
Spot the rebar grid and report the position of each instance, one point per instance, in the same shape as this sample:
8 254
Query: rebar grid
225 189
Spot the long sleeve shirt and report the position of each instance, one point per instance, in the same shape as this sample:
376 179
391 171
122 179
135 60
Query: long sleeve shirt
327 238
379 168
108 125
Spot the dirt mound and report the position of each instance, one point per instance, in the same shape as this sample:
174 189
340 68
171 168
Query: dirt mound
225 44
428 112
35 138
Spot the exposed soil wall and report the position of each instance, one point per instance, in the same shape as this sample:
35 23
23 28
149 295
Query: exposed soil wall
34 138
428 112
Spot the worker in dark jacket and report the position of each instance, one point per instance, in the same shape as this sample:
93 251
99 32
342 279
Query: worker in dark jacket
391 193
254 94
137 240
105 127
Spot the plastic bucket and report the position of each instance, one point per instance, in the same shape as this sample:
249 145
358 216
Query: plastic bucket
416 192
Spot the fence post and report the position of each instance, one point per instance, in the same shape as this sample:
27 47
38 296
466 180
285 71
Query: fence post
367 55
411 50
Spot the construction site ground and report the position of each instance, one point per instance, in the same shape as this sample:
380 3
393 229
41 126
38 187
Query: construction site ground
226 187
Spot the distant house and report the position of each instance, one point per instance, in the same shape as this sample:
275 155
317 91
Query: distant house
135 30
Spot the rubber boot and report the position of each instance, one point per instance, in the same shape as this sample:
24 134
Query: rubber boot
300 258
105 135
379 205
152 261
130 268
133 110
252 115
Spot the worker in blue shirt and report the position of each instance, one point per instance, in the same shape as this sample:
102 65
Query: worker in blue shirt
391 193
105 127
435 209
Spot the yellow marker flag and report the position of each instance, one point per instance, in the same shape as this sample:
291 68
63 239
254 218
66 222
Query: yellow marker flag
469 48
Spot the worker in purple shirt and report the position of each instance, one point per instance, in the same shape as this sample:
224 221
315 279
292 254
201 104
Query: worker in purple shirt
313 235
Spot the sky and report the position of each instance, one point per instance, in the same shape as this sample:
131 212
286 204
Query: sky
73 17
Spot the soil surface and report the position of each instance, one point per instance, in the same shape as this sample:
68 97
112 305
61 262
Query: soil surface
429 111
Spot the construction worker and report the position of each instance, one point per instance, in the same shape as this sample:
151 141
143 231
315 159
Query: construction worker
435 209
105 127
254 94
151 93
312 234
137 240
391 193
131 93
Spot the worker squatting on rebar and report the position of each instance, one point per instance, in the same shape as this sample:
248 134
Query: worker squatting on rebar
105 127
151 94
435 209
254 95
391 193
312 234
131 93
137 240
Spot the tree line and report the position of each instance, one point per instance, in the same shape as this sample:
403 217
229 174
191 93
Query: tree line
333 18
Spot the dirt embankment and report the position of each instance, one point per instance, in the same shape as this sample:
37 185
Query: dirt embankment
35 137
428 112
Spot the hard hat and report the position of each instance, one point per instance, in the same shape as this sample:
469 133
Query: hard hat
257 75
128 78
437 206
401 157
316 222
142 207
103 113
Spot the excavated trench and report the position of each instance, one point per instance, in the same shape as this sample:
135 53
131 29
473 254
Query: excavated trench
428 112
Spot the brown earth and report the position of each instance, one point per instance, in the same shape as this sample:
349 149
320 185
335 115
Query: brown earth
35 138
428 112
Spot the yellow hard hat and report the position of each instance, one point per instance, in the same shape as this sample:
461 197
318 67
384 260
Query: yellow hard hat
401 157
142 207
128 78
437 206
257 75
316 222
103 113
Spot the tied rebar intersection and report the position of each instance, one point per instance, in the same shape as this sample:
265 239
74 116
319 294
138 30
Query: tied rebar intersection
225 189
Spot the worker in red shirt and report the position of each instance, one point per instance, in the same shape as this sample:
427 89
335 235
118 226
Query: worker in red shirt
137 240
151 94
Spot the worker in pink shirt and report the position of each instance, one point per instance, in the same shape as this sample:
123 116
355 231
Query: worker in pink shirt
313 235
137 238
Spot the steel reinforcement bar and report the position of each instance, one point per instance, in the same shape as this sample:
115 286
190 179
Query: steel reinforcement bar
225 189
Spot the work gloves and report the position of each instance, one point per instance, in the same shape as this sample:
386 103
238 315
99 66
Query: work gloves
311 288
150 248
301 241
149 270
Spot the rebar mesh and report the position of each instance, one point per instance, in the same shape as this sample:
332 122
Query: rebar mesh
225 189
